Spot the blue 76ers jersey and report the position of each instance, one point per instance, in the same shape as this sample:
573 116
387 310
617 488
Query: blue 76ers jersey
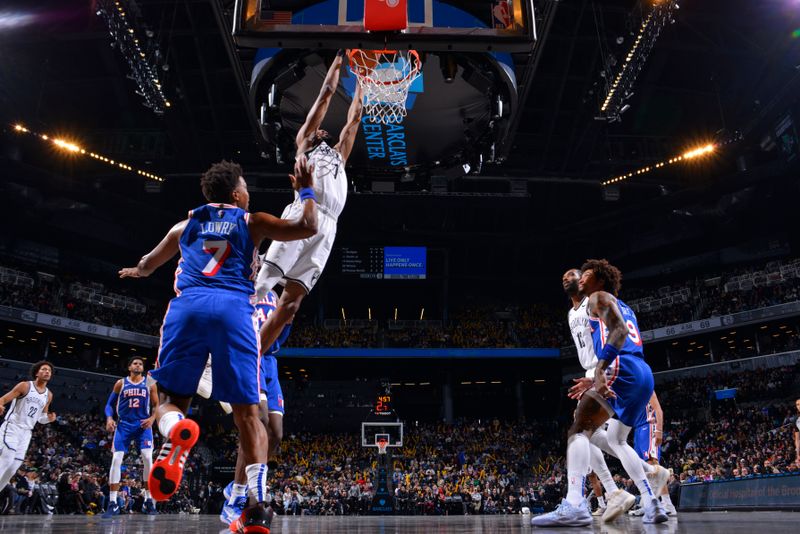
633 342
217 251
134 401
266 306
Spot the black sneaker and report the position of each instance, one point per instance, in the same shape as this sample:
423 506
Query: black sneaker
254 520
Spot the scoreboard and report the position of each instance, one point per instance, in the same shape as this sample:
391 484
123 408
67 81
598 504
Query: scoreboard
386 263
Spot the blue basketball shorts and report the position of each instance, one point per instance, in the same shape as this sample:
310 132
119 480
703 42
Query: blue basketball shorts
205 321
271 385
644 442
631 379
128 431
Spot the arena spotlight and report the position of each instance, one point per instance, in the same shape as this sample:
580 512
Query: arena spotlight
634 62
699 152
73 148
124 23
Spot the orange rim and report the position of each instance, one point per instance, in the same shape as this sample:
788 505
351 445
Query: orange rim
417 66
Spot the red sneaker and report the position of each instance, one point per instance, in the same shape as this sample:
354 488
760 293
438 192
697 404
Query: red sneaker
167 472
254 520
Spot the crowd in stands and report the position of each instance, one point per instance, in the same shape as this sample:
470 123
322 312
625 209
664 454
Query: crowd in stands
471 466
716 294
55 295
538 325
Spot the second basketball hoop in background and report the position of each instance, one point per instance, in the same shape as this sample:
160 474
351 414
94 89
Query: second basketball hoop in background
385 77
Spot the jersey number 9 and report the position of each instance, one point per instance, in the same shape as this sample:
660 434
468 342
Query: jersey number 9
634 333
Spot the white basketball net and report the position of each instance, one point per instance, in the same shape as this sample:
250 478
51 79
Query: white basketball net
385 77
382 444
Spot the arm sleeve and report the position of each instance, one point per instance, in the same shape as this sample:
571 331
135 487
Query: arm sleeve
111 404
284 335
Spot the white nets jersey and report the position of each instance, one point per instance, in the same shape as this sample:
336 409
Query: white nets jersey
25 411
330 180
582 336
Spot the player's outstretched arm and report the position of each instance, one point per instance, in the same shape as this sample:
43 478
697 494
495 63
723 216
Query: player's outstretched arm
164 251
266 226
20 390
350 131
305 136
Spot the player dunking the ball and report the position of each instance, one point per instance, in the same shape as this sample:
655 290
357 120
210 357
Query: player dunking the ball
30 401
213 314
299 264
623 385
135 404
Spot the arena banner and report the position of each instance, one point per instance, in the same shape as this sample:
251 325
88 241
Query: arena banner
65 324
682 329
788 309
765 493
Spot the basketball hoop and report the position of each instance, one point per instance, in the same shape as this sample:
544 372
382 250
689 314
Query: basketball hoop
385 77
382 444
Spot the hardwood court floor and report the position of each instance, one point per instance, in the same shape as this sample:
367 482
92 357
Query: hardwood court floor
703 523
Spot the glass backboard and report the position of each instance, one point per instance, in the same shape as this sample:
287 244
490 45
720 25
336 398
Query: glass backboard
372 431
434 25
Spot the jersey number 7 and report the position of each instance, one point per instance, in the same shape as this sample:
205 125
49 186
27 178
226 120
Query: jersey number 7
219 251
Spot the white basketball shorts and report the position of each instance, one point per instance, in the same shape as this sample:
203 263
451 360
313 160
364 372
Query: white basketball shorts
14 441
303 261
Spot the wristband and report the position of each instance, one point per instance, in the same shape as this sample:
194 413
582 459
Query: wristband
43 419
609 352
306 193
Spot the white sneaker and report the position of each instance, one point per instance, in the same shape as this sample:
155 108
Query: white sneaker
599 511
617 504
565 515
654 512
658 479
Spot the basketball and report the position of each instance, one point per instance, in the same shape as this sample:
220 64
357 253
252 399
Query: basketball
364 61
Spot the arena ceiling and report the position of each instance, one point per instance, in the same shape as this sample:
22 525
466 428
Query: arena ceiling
725 70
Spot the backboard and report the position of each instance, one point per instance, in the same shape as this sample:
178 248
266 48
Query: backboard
372 431
434 25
